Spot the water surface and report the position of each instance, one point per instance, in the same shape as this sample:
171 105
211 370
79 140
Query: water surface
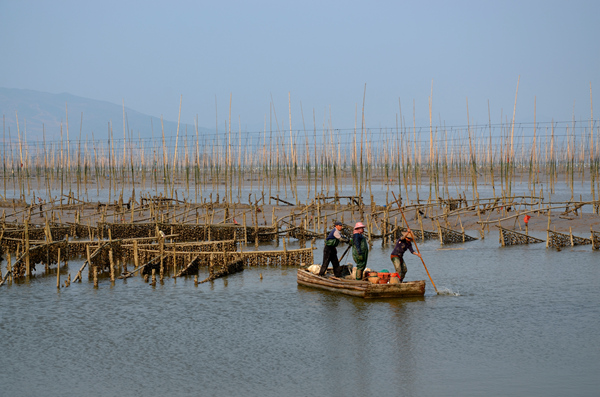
516 321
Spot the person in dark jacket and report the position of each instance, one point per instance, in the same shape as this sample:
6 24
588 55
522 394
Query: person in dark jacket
402 245
360 249
330 252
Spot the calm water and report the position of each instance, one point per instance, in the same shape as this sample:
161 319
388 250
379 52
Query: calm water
518 321
381 193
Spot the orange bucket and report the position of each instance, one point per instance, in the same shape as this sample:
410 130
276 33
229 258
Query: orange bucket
384 276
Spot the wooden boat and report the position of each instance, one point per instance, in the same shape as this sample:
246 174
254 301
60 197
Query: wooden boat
361 289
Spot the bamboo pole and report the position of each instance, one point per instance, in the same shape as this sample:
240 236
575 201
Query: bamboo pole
58 270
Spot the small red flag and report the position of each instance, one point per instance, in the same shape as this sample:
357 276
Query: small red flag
526 218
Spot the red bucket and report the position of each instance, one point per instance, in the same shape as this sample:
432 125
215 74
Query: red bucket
384 276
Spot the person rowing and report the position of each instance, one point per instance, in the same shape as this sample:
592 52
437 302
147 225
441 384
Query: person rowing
402 245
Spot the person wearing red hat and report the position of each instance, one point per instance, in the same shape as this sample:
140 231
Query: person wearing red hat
360 249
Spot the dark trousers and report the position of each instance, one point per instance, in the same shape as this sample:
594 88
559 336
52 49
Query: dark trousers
330 255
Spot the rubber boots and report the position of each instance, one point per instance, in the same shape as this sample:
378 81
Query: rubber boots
359 274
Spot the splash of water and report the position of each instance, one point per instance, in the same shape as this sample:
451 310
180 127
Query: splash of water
447 291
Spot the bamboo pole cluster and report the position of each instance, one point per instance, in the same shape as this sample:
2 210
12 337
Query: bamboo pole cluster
422 163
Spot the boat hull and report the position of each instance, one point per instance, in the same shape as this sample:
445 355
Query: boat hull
361 289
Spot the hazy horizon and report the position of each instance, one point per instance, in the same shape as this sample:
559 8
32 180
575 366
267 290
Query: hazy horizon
311 60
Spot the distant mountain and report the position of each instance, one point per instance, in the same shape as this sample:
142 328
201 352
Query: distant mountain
36 109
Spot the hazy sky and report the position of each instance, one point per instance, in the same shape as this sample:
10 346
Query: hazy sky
149 53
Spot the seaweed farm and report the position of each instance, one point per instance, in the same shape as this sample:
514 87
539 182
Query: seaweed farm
420 164
292 199
168 267
166 207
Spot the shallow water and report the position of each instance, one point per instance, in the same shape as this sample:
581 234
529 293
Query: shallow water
512 321
381 192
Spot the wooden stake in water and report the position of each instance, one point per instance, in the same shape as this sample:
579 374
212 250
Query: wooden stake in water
27 264
112 265
135 254
58 270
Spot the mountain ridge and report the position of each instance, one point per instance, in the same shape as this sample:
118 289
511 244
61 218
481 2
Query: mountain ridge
42 113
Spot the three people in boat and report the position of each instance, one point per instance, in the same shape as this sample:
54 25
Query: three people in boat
402 245
330 252
360 249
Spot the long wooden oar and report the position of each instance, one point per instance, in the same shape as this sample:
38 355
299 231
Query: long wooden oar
414 241
344 254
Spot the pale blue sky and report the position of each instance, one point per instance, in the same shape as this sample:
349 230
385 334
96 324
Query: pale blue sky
148 53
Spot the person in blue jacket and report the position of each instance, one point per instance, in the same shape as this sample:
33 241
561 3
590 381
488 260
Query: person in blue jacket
330 252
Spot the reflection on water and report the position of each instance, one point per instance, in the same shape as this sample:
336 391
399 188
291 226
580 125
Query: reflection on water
524 323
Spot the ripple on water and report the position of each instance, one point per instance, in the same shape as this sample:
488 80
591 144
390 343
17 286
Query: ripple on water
523 318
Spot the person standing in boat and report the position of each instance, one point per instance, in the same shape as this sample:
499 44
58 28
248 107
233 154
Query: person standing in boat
360 249
402 245
330 252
